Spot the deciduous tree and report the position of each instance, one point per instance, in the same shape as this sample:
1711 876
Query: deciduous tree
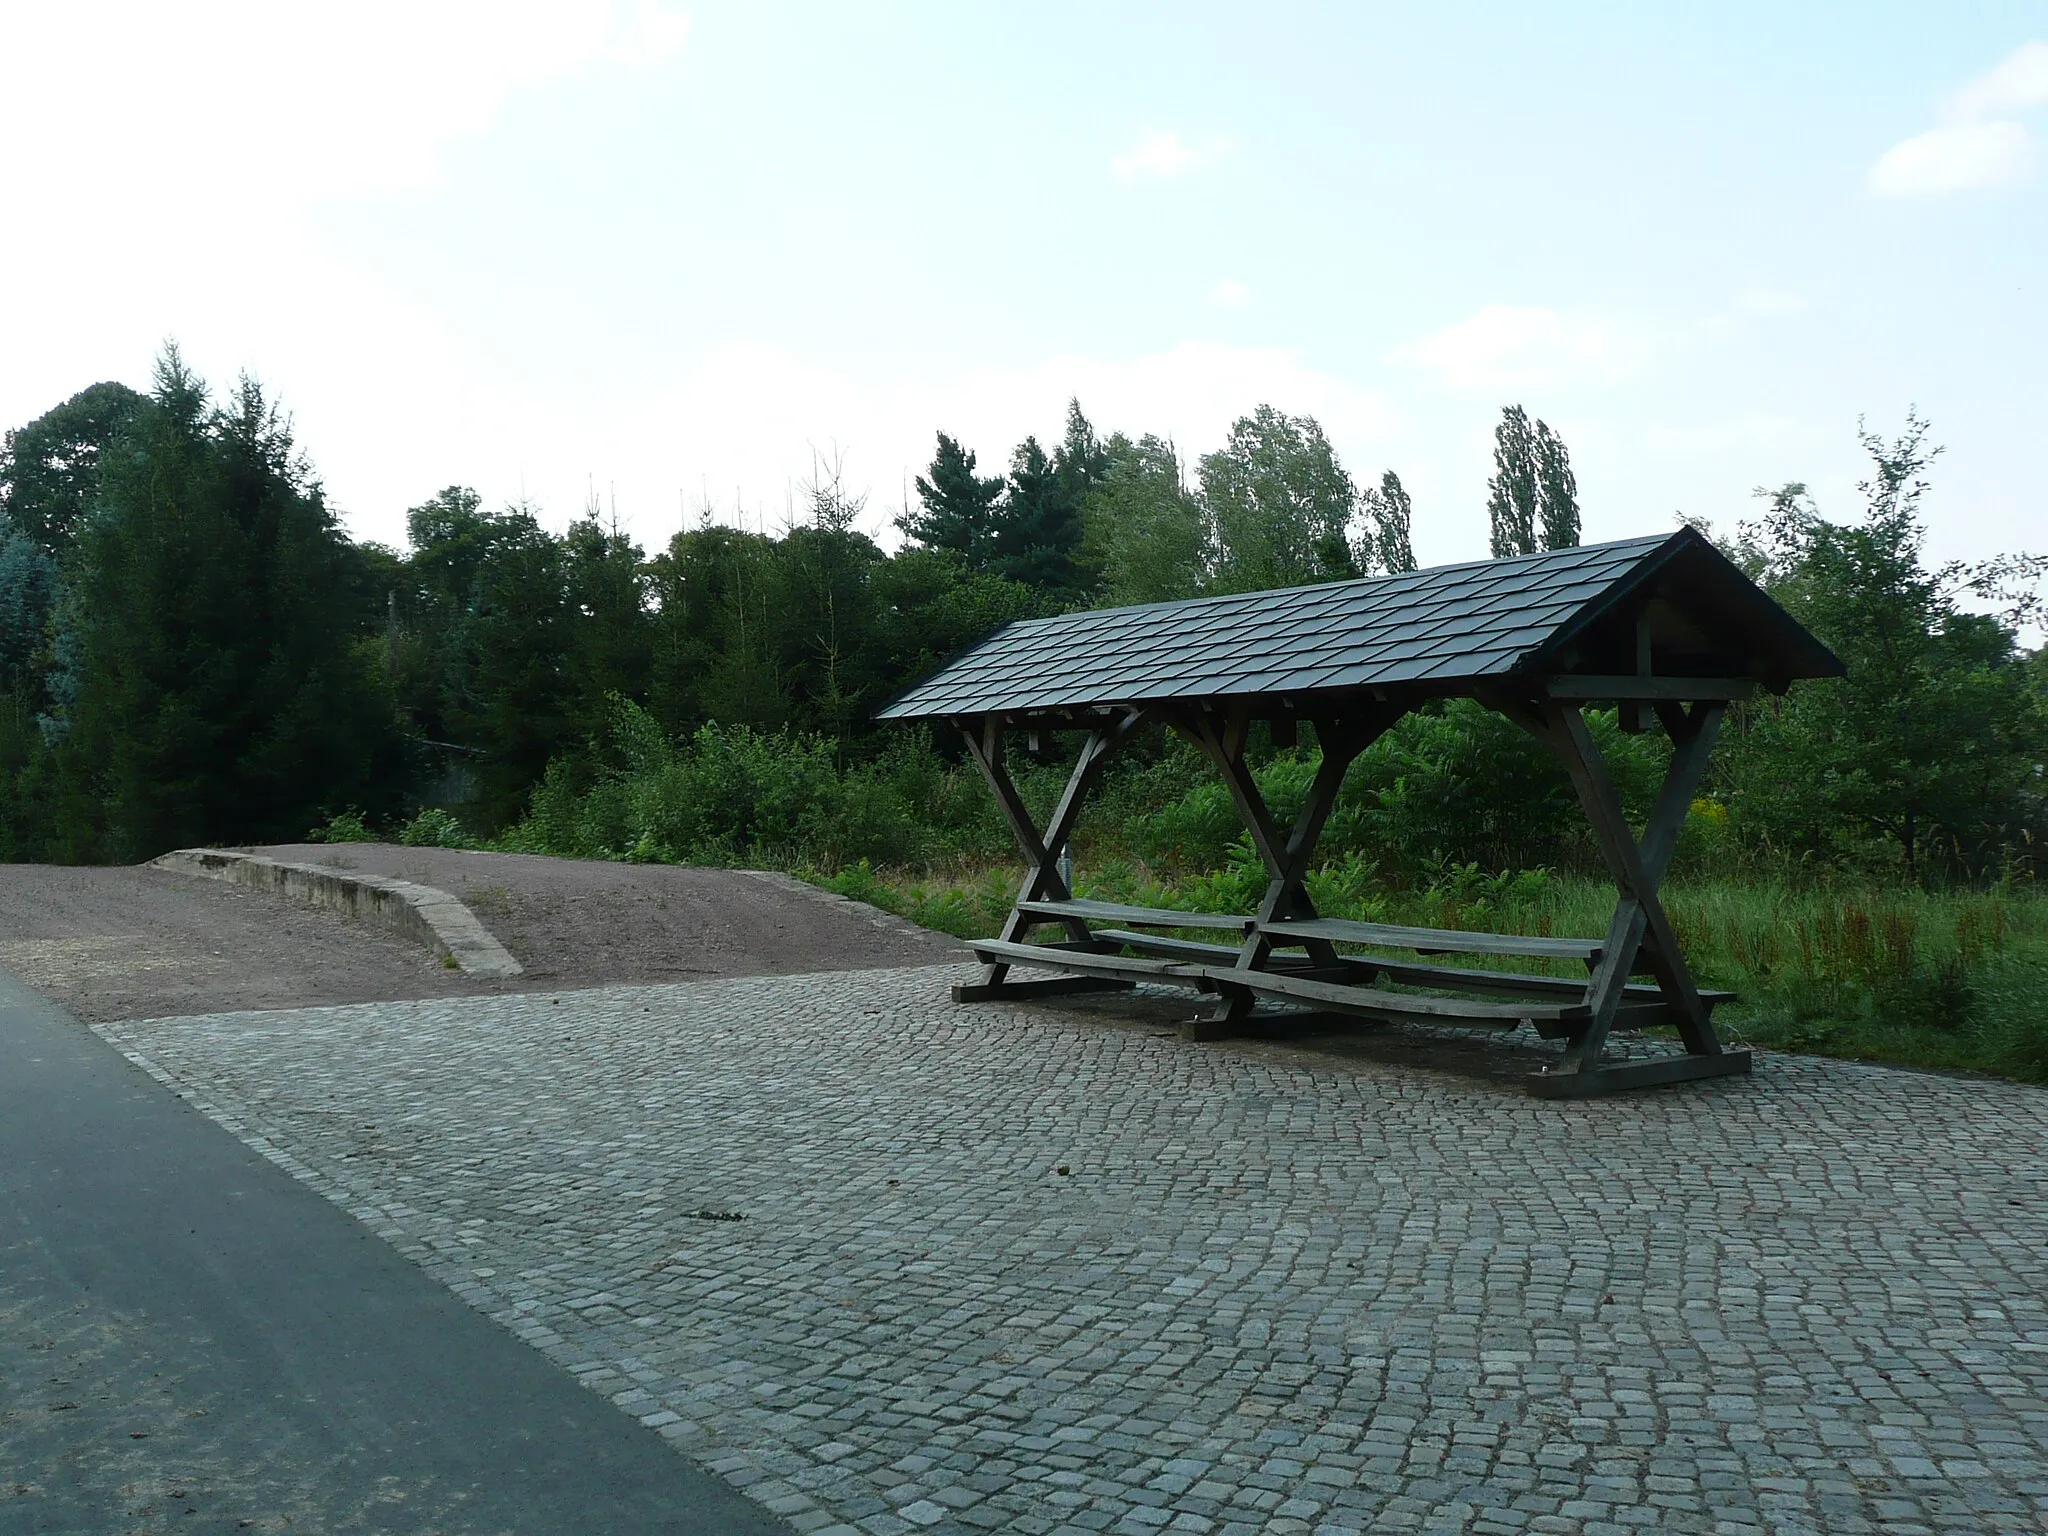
1278 505
1386 541
1934 738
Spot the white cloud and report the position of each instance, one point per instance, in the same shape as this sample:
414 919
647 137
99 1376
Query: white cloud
1162 153
1504 347
2017 83
1956 157
1230 295
1978 144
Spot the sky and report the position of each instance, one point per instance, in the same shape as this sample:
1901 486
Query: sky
670 257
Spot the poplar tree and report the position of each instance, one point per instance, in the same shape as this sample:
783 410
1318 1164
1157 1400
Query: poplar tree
1557 489
1386 543
1511 495
1532 501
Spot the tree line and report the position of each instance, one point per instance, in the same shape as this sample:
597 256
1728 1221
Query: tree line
192 650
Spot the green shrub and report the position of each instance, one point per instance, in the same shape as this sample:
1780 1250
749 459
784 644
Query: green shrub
434 828
345 827
732 794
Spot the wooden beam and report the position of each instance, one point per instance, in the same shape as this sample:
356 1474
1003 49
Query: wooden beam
1037 986
1437 941
1083 963
1638 869
1341 739
1605 690
1347 997
1146 917
1042 880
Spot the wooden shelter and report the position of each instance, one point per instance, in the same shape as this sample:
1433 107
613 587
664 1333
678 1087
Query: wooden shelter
1665 628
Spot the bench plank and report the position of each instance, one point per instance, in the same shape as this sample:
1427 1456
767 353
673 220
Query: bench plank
1375 1003
1436 941
1415 973
1171 949
1508 983
1083 962
1142 917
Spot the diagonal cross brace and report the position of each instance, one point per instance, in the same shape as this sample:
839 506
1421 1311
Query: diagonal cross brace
1640 925
1287 863
1042 880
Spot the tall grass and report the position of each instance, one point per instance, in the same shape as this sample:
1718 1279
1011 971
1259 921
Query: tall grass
1953 980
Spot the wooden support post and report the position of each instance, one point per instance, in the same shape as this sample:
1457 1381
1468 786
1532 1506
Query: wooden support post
1287 863
1640 927
1042 878
1632 717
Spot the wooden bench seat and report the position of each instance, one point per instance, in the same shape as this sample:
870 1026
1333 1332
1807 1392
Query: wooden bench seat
1084 962
1414 973
1140 917
1372 1002
1436 941
1367 1001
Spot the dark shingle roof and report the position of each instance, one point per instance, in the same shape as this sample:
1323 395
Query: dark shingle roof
1430 630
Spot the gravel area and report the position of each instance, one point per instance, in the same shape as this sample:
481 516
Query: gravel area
578 922
120 943
892 1264
117 943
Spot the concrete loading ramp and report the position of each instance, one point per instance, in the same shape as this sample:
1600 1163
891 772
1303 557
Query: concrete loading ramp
420 912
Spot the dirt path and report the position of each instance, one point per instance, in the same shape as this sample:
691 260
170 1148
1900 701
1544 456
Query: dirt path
122 943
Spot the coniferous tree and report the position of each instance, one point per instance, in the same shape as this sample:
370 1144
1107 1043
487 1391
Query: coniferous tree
713 646
220 692
958 507
28 595
451 544
1080 465
511 698
610 629
826 638
1038 526
1082 459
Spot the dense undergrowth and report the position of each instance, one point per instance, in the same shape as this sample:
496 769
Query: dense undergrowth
1454 820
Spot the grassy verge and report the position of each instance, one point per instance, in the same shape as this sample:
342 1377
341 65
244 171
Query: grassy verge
1944 980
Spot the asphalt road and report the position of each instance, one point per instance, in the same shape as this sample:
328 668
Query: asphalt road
190 1340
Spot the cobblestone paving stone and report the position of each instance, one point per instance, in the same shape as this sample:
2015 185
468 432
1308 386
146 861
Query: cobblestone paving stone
1009 1268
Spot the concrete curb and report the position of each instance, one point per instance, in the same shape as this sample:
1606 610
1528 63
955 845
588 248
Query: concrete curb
421 912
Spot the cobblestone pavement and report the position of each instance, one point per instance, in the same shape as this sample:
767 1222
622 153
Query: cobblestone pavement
1025 1269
